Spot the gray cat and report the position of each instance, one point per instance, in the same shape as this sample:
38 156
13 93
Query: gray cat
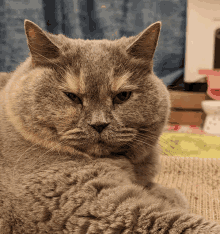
80 122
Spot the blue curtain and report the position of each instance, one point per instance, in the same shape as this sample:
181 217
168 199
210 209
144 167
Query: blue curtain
96 19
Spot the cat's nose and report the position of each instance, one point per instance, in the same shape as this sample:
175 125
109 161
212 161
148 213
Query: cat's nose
99 127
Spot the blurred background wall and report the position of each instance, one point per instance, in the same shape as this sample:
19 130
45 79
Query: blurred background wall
96 19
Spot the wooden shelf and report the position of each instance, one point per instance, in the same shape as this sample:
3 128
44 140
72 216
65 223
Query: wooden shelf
186 108
186 118
187 100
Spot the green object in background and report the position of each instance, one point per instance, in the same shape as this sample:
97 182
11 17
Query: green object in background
190 145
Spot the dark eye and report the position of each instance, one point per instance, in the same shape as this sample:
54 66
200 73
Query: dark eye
122 97
74 98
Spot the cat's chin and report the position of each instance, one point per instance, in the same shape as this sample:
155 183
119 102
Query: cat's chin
98 150
101 150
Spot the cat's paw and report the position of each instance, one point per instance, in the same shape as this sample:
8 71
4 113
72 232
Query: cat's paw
172 195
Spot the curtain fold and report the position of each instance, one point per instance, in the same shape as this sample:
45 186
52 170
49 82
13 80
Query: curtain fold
96 19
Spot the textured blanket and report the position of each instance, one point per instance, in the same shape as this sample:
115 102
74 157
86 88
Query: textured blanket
198 179
93 198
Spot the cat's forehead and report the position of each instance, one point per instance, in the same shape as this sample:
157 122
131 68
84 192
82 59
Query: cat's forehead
101 53
95 65
100 83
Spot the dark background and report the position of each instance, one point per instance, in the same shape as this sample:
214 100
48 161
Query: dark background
97 19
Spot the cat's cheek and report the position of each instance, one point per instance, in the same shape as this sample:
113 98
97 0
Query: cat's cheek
66 118
129 116
74 113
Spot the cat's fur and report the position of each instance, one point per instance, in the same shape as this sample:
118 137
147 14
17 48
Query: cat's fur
42 128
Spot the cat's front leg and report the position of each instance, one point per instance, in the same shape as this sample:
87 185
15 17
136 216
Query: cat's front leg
172 195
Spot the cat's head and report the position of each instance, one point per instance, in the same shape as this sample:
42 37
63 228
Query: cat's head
99 97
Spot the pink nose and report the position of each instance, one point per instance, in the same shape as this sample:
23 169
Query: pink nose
213 83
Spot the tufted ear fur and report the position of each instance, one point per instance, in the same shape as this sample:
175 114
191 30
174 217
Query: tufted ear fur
41 47
145 44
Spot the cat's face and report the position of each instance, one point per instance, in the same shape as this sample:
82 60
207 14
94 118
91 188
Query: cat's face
99 97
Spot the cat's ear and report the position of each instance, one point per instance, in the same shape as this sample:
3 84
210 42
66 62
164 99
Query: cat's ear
41 47
145 43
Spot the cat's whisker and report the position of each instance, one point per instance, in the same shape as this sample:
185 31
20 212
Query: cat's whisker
161 151
185 171
164 141
73 131
40 156
147 130
145 143
148 145
164 149
19 158
160 141
154 137
137 149
170 153
149 133
146 138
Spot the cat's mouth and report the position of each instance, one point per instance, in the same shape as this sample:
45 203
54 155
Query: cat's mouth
101 142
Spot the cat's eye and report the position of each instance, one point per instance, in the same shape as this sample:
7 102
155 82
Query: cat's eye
74 98
122 97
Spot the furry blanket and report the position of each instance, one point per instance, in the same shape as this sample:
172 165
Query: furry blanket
92 198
